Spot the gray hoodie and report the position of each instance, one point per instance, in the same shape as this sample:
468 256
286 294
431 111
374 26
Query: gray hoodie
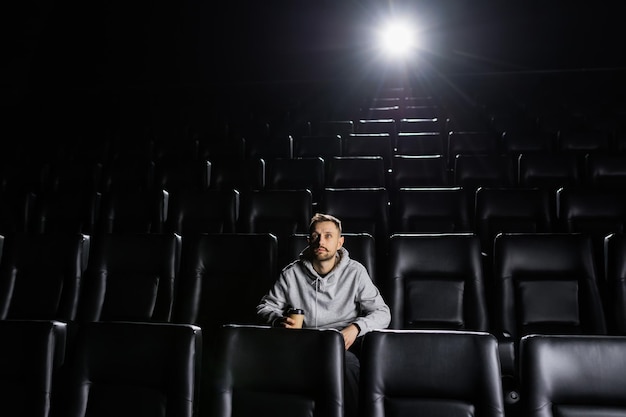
344 296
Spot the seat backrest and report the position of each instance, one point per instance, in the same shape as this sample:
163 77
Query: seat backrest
436 281
130 277
615 270
239 174
279 146
516 142
546 283
182 174
130 211
582 141
430 210
215 287
370 144
571 376
606 170
418 171
355 172
549 171
360 246
31 354
594 211
40 275
317 146
268 371
473 171
197 211
434 373
420 143
509 210
129 369
297 174
66 212
471 143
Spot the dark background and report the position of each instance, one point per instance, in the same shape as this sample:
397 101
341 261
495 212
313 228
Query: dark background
57 53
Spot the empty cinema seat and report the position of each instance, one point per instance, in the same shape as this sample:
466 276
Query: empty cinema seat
509 210
268 371
570 376
317 146
130 211
130 369
430 373
215 287
41 274
431 210
130 277
66 212
280 212
418 171
31 355
435 281
615 272
297 174
239 174
355 172
202 211
544 284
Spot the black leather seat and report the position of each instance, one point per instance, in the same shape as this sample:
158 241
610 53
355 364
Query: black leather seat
41 274
31 354
265 371
436 282
130 277
66 212
569 376
197 211
418 171
130 369
509 210
297 174
431 210
615 296
355 172
133 211
216 286
239 174
544 284
431 373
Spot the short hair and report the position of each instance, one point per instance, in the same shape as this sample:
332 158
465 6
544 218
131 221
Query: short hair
321 217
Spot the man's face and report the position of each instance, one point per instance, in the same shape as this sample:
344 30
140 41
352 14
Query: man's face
325 241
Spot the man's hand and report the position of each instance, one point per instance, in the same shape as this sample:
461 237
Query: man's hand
349 334
289 323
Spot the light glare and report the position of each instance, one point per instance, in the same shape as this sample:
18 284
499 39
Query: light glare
397 39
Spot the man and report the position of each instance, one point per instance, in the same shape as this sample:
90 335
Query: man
333 290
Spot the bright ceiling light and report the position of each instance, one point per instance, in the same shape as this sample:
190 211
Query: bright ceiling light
397 39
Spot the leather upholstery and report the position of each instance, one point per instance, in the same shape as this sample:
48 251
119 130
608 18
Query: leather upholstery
217 285
436 281
130 277
615 258
507 210
40 275
433 373
546 283
31 354
133 211
130 369
431 210
264 371
208 211
355 172
573 376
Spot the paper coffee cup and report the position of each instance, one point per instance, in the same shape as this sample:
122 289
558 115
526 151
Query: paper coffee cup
297 314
